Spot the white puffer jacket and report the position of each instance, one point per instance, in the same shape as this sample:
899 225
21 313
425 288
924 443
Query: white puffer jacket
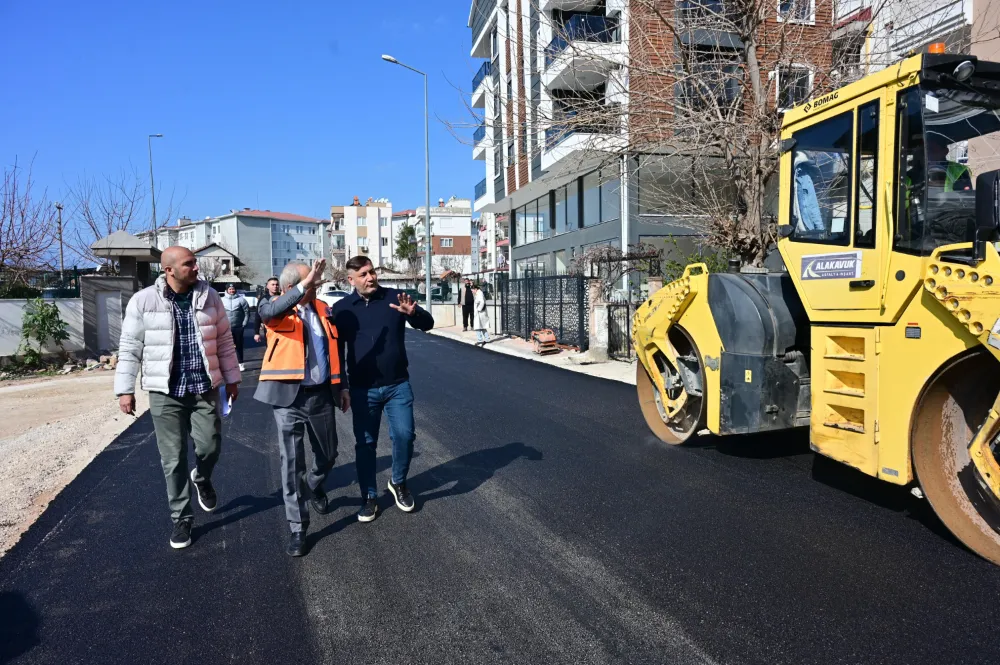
147 340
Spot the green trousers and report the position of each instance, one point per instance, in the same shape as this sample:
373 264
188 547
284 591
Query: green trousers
174 418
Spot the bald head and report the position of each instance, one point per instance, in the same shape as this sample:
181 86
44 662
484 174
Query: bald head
180 268
173 256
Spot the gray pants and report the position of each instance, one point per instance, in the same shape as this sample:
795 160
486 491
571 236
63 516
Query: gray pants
312 412
174 418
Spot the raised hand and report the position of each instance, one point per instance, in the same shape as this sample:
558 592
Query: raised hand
406 304
315 276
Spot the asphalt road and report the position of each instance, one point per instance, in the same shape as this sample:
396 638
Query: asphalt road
552 528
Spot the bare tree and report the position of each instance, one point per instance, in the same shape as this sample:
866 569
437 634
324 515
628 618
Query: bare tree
246 273
210 268
101 205
27 225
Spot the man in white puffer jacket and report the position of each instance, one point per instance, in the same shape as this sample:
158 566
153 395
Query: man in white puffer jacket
177 333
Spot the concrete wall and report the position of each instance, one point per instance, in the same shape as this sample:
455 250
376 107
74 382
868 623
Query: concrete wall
12 312
90 286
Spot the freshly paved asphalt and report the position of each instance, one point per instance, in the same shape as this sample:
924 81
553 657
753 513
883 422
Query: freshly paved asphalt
552 528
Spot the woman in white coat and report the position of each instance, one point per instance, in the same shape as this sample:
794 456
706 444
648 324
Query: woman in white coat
480 320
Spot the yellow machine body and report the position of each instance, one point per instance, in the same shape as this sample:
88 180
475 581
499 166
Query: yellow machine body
878 330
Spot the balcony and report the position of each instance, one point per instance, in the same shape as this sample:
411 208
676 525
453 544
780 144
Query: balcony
583 53
479 143
570 141
480 82
499 191
480 189
481 18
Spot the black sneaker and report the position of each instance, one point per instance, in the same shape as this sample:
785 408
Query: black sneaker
181 536
319 501
207 498
404 500
296 544
368 511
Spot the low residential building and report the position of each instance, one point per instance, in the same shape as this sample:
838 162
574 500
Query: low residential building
366 229
491 246
451 235
263 240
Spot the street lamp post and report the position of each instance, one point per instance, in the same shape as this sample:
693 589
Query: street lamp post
152 189
427 181
59 208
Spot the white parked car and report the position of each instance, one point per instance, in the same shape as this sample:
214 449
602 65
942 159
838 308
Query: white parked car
250 297
331 295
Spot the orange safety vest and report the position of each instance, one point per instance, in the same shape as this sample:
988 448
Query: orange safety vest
285 357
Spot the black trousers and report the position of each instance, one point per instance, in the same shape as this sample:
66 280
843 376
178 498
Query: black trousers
466 316
238 341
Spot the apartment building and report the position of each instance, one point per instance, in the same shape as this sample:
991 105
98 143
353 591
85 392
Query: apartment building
490 245
365 229
870 35
451 236
566 185
263 240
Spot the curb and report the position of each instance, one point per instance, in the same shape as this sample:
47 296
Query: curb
579 369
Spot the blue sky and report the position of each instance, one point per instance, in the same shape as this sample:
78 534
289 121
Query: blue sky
283 105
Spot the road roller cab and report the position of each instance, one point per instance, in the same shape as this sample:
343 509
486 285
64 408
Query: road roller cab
883 333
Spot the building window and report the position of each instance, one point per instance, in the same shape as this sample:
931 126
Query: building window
797 11
299 246
362 221
592 199
385 242
274 244
363 242
794 85
447 242
384 221
610 195
714 80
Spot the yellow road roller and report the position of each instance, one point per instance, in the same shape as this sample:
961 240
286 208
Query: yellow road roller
882 331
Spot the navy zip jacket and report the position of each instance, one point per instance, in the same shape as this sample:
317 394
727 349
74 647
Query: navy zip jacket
374 335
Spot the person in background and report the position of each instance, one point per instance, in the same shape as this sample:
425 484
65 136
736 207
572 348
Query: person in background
467 300
238 311
301 378
372 326
177 332
273 291
481 321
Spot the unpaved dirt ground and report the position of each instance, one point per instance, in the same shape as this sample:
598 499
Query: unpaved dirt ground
50 429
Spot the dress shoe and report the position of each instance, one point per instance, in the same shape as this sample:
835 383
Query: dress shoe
319 502
297 544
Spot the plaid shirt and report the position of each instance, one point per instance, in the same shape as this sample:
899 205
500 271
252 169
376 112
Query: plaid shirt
187 373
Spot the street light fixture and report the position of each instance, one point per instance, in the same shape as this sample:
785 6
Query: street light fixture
427 179
152 189
59 208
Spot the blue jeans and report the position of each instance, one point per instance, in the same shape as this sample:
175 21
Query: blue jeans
366 408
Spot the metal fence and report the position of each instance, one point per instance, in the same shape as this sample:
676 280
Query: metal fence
620 330
535 303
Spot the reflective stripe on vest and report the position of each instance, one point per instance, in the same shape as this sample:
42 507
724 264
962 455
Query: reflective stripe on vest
285 355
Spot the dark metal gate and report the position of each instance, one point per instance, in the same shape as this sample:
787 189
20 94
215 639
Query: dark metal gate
557 302
620 330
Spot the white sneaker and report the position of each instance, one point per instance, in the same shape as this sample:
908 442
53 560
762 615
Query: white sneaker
241 367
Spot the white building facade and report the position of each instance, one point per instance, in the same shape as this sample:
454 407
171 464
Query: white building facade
265 241
366 230
451 236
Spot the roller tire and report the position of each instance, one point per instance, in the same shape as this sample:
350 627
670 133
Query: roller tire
646 391
950 411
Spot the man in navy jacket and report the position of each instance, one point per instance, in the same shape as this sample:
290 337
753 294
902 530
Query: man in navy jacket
371 323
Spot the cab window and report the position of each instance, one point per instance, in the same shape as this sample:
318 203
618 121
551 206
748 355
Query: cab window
821 181
866 200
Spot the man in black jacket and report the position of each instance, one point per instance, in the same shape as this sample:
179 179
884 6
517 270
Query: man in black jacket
467 300
371 324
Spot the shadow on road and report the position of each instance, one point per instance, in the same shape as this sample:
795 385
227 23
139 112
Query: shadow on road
795 443
19 624
467 472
